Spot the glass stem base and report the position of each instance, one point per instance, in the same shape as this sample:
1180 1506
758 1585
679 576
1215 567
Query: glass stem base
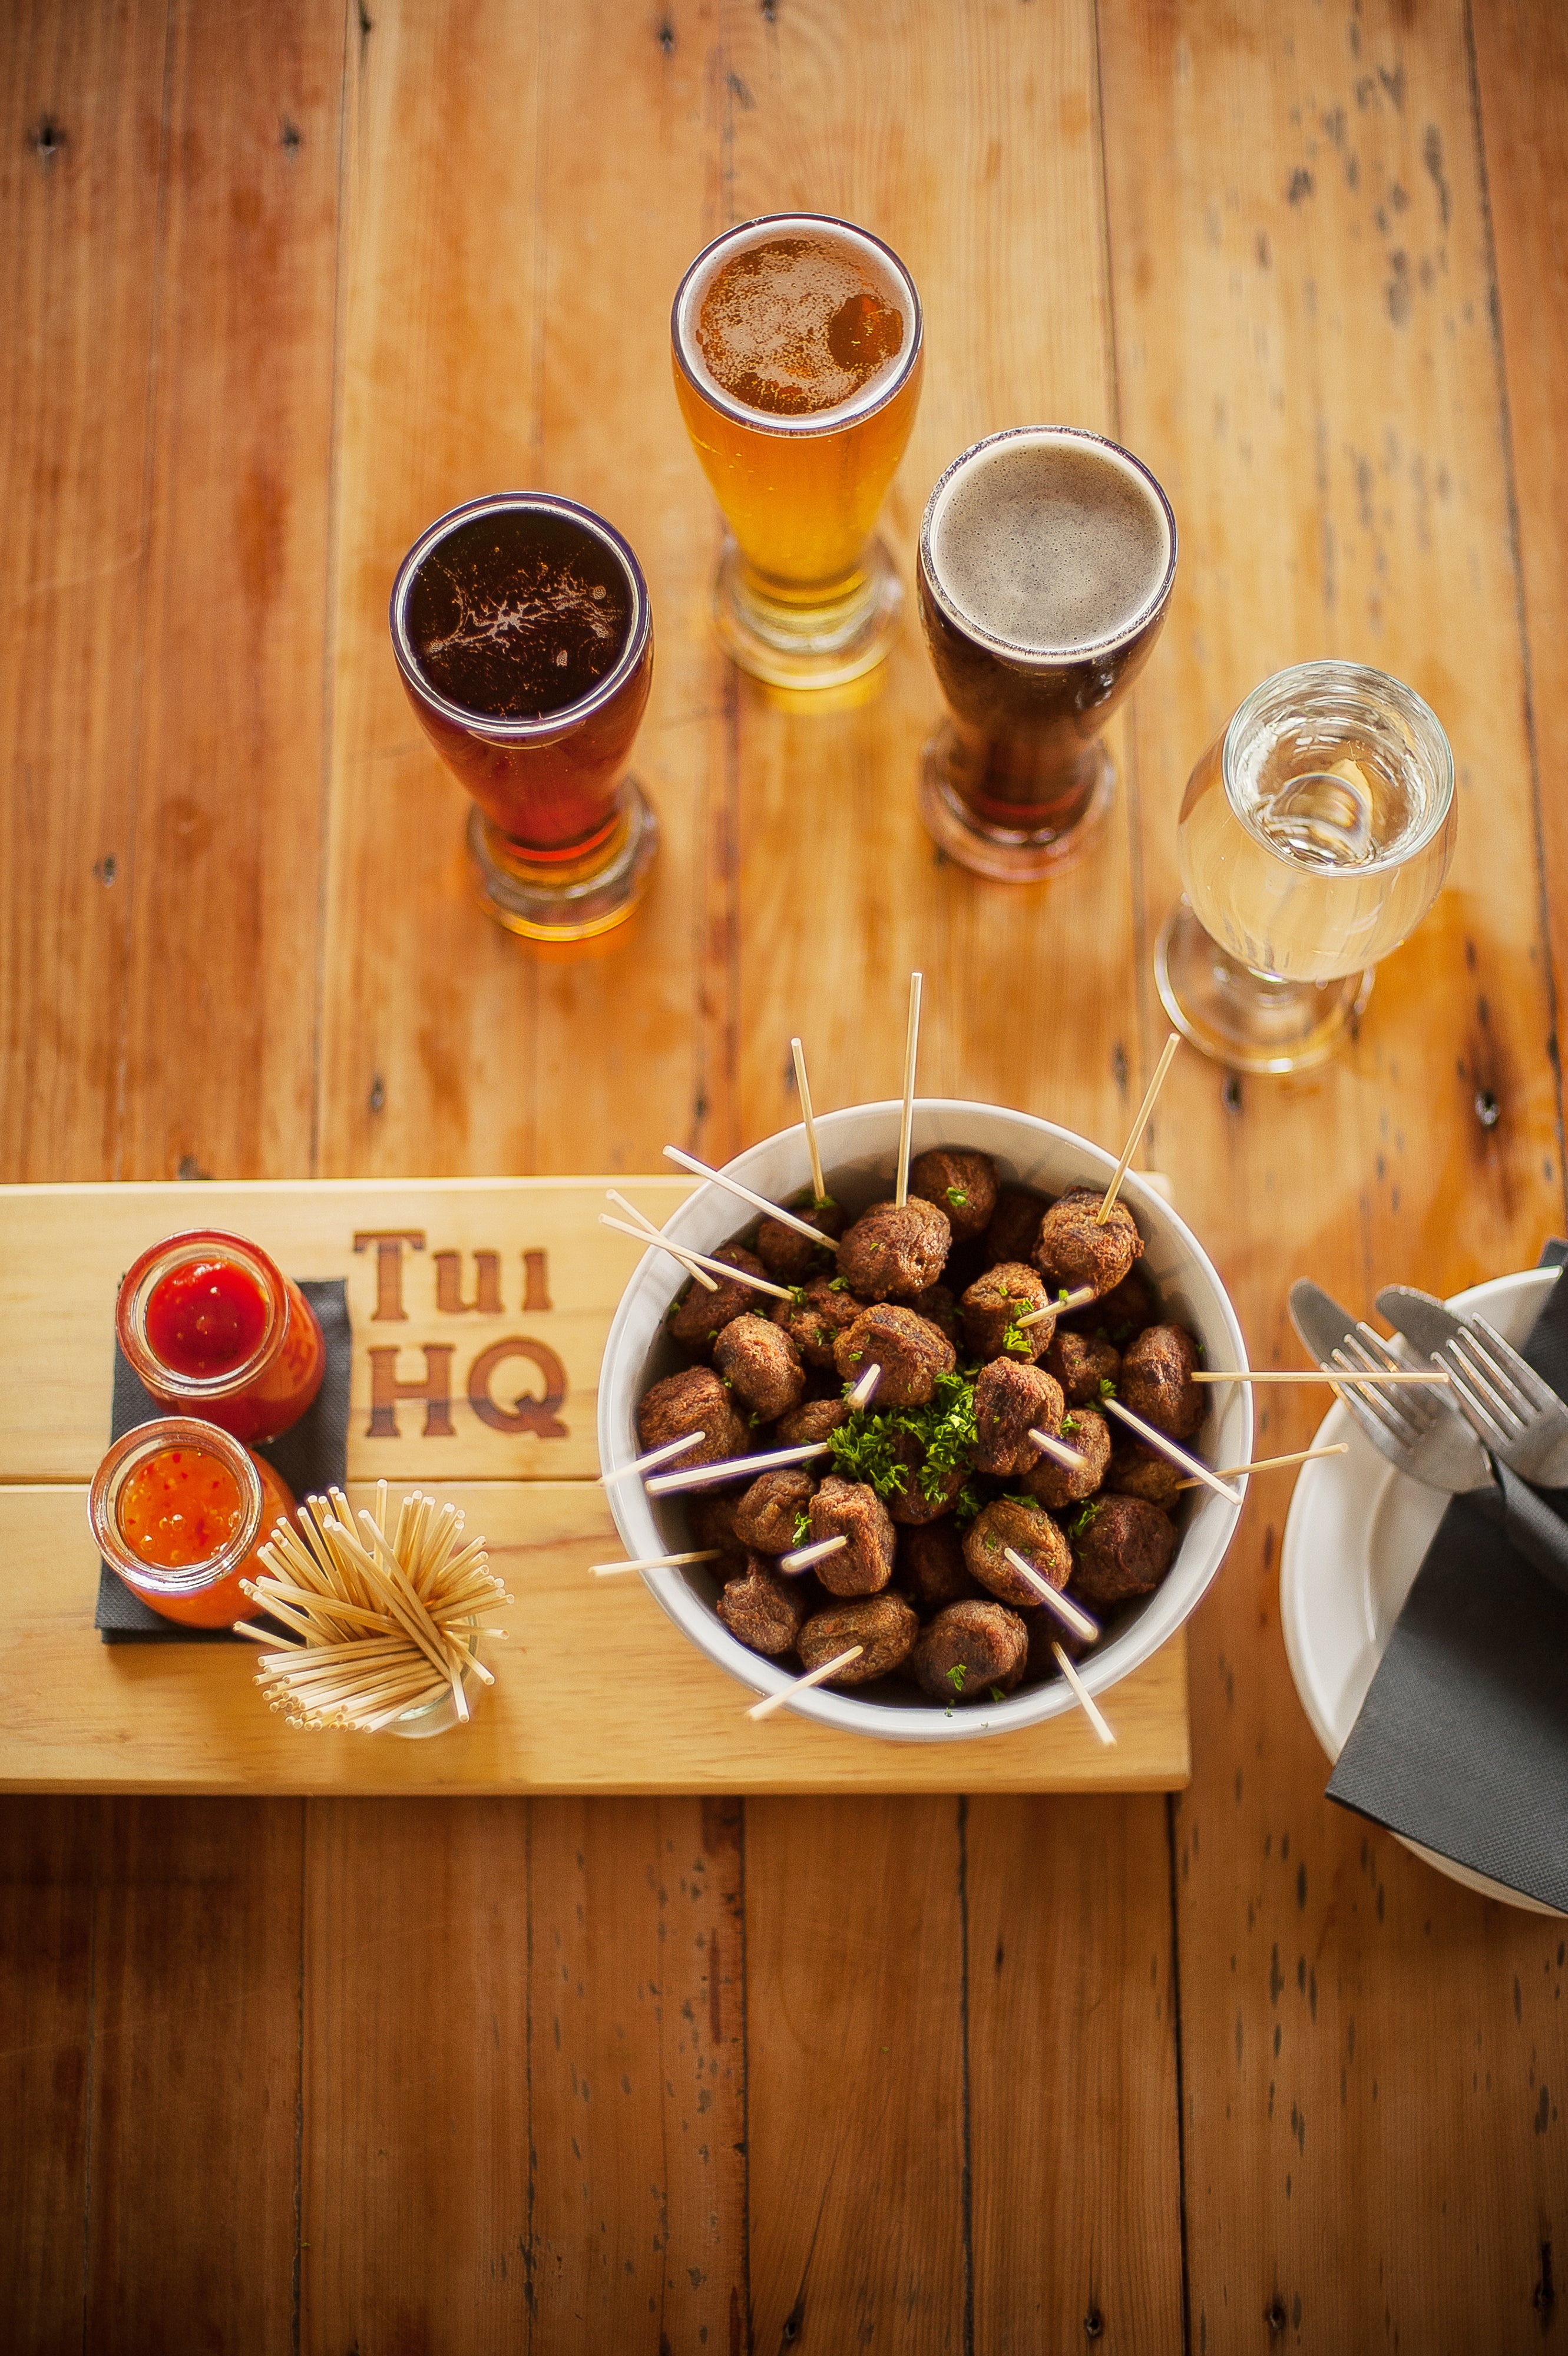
792 644
1012 854
1248 1020
566 900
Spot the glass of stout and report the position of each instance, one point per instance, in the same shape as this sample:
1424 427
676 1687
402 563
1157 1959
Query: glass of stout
797 356
1316 832
521 628
1047 555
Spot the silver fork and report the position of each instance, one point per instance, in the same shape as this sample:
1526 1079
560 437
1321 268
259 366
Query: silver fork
1516 1414
1416 1430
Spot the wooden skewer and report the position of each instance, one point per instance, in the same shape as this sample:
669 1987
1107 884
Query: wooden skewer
1318 1374
664 1485
906 1125
1144 1110
819 1184
1085 1700
1069 1613
804 1557
650 1235
1059 1451
1171 1447
861 1396
653 1562
1078 1299
696 1260
654 1456
773 1701
655 1234
758 1202
1274 1463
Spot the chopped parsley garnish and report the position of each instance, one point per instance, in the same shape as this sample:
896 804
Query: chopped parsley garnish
1106 1388
798 1301
1083 1517
957 1197
997 1694
957 1674
875 1447
838 1284
803 1526
1071 1423
1015 1338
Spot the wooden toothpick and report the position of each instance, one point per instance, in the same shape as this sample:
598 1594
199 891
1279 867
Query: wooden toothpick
653 1562
654 1456
683 1160
1069 1613
1173 1449
1084 1699
656 1235
1059 1451
862 1394
819 1184
1078 1299
765 1708
1144 1110
804 1557
905 1127
1273 1463
664 1485
1318 1374
696 1262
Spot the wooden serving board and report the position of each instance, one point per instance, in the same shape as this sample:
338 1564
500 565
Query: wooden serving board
480 1310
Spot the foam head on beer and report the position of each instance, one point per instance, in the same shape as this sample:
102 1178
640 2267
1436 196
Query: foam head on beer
518 613
1049 545
799 323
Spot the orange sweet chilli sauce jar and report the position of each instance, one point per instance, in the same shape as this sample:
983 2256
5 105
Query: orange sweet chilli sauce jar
213 1328
178 1509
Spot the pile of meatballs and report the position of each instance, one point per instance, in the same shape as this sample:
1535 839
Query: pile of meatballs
932 1292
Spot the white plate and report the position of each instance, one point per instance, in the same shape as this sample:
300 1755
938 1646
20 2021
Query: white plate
1354 1541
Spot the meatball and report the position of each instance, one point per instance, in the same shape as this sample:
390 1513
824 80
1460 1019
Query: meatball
930 1567
789 1256
1075 1249
883 1625
1057 1484
1008 1400
815 1318
1123 1549
1139 1472
938 1306
892 1254
700 1316
1156 1380
762 1610
1124 1310
910 1352
1031 1533
992 1306
761 1364
967 1650
812 1420
1081 1363
692 1400
925 1495
962 1184
1014 1228
711 1521
850 1509
766 1518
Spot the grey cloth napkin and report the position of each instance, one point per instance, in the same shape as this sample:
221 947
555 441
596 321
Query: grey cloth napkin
1462 1742
311 1457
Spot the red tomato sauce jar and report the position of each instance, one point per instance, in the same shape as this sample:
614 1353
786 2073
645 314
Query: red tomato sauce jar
178 1509
213 1328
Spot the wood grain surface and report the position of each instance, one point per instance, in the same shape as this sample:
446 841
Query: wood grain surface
1228 2072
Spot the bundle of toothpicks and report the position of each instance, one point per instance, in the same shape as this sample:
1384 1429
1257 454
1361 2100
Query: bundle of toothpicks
386 1620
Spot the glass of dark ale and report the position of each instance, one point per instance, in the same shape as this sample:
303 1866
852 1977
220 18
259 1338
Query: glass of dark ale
1047 556
521 628
797 356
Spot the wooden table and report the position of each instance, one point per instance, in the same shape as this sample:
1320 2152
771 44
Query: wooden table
1220 2072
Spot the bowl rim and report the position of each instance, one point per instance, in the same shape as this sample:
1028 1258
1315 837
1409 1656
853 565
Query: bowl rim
638 1533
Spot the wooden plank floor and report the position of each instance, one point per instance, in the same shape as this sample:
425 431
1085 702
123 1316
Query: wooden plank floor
1231 2073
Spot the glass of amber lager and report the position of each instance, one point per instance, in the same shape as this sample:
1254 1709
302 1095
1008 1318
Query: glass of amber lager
521 628
1047 555
798 359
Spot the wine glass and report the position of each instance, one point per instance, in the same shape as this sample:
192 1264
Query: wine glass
1315 835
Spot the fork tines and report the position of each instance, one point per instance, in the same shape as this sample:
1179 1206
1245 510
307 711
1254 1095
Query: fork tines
1403 1419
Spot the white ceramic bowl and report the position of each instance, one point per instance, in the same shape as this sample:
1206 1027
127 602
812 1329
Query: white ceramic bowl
859 1149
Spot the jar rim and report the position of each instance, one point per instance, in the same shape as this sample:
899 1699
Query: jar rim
147 1273
134 1449
1373 691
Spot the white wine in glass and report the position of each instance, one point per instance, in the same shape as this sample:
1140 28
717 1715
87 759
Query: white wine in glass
1315 835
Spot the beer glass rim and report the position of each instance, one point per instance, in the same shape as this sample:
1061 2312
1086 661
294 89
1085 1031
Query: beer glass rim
847 413
546 725
1030 657
1283 689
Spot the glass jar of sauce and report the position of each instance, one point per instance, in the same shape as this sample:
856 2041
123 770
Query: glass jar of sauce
178 1509
213 1328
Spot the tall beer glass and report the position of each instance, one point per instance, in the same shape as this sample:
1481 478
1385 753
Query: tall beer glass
1314 836
521 628
1047 556
798 358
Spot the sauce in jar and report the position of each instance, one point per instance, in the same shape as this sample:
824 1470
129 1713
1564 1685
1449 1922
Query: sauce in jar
179 1507
179 1510
212 1327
